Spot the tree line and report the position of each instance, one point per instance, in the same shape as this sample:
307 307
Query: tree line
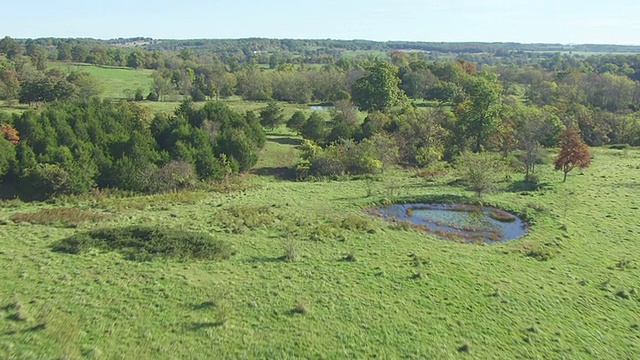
73 147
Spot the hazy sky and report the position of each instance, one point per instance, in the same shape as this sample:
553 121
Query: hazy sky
526 21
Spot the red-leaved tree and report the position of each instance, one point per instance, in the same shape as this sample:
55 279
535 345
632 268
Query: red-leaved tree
8 132
574 152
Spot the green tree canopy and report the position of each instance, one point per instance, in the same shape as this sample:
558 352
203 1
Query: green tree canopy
378 88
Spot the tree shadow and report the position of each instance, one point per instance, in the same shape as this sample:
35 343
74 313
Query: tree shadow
631 185
524 186
285 140
203 305
437 199
352 198
281 173
8 191
266 259
196 326
32 329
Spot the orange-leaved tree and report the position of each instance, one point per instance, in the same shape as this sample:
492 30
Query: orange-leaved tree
574 152
8 132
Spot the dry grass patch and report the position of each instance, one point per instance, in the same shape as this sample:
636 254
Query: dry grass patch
58 216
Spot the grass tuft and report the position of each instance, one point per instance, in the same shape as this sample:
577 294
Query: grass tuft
300 308
238 219
502 216
350 257
147 243
290 251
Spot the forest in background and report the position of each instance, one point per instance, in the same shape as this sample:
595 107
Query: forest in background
417 107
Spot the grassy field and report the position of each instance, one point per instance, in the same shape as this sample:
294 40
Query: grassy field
115 80
118 81
314 277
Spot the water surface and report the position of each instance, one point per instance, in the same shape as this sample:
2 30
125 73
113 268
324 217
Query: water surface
467 222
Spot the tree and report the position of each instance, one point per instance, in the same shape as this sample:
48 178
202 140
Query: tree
86 85
271 116
7 156
574 152
378 88
135 59
9 84
9 133
315 128
38 56
297 121
481 171
478 117
10 47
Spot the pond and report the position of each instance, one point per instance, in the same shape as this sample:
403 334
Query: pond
320 107
467 223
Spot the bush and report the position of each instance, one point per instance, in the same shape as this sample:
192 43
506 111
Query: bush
138 96
482 171
198 96
46 180
147 242
344 157
297 121
153 96
173 176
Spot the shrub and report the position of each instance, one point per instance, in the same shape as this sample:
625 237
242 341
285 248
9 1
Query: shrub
482 171
147 242
153 96
173 176
239 218
502 216
138 96
290 251
353 222
48 180
271 116
198 96
343 157
297 121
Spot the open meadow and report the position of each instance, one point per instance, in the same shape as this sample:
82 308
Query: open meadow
311 275
257 239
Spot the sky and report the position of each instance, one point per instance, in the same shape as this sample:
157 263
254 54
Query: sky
524 21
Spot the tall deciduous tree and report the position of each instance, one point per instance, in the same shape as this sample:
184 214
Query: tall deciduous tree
479 116
574 152
10 47
378 88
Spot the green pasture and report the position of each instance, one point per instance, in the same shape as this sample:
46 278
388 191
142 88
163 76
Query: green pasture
116 81
314 277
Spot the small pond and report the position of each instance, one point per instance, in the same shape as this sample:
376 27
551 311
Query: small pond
467 223
320 107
